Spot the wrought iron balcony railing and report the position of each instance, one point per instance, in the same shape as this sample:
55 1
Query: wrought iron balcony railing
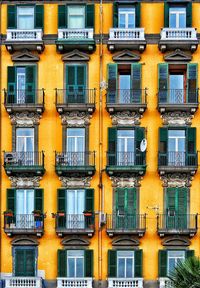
126 222
178 96
179 34
23 282
75 34
74 221
125 282
179 222
74 282
75 96
126 34
127 96
23 159
75 159
23 222
24 35
177 159
126 159
24 97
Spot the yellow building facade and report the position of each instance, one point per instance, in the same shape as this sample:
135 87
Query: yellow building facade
93 192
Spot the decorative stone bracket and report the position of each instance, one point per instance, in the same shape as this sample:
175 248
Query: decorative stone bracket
176 180
25 119
177 118
76 119
25 182
125 182
126 118
72 182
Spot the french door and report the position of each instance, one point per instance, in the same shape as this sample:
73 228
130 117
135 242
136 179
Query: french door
125 264
125 147
176 148
25 146
21 85
75 146
75 207
24 208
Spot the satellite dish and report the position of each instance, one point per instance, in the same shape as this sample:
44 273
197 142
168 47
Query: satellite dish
143 145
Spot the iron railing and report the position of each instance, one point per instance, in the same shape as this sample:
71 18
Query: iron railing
127 96
177 222
23 222
75 158
178 96
126 222
20 159
24 97
74 221
75 96
126 158
177 159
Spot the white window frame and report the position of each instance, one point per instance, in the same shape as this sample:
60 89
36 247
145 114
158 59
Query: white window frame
177 138
76 139
174 257
21 92
125 138
24 137
127 11
29 14
75 262
177 13
71 14
126 257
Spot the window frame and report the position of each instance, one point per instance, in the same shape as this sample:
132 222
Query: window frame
75 263
178 13
126 13
83 15
125 263
168 251
33 15
21 247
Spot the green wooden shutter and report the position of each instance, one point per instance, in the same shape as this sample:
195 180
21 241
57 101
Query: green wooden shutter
25 262
39 17
137 18
88 263
39 196
62 16
171 201
61 199
162 82
11 72
112 263
131 201
166 15
30 84
62 263
191 157
11 199
192 93
30 262
189 253
81 83
139 156
112 83
163 146
19 263
189 15
136 82
138 263
112 146
182 207
162 263
120 200
90 15
115 15
89 199
12 16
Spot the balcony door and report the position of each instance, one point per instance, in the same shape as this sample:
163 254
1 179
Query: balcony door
124 87
75 263
176 82
177 17
25 262
21 85
76 84
126 18
25 18
125 264
25 146
125 147
76 17
24 208
176 148
75 146
173 258
75 207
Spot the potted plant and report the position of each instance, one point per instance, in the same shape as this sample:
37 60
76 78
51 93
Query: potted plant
87 213
61 213
37 213
8 213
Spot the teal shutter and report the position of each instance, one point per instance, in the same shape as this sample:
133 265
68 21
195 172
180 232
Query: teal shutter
25 262
62 16
138 262
131 201
61 200
189 253
30 84
162 262
39 199
182 207
166 15
162 82
171 201
139 156
189 15
11 16
39 17
19 263
192 92
120 201
163 146
112 263
70 83
191 157
89 199
88 263
112 83
62 263
81 83
115 15
75 83
112 146
136 82
137 18
11 70
11 199
30 262
90 14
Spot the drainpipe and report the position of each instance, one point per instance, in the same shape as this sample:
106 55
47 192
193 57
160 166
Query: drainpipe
0 132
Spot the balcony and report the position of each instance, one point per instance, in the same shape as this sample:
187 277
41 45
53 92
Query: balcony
178 38
67 224
75 99
178 100
126 224
23 282
125 282
180 162
177 224
74 282
132 39
126 162
75 163
82 39
17 39
126 99
29 163
24 224
165 283
24 100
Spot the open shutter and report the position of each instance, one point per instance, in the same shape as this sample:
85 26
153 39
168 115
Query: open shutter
62 263
112 83
30 84
39 17
166 15
61 199
189 253
162 262
11 84
39 199
189 15
81 82
12 17
162 82
88 263
138 262
137 18
115 15
171 201
19 262
192 92
131 201
30 262
89 199
191 157
140 156
182 207
136 82
11 199
112 146
62 16
163 146
90 14
112 263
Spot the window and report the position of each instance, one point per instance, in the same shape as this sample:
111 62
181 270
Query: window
76 83
75 146
76 17
125 147
174 257
125 264
24 208
25 262
126 17
177 17
75 263
176 147
75 207
25 140
25 18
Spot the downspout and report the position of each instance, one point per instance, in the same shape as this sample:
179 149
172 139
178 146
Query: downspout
0 133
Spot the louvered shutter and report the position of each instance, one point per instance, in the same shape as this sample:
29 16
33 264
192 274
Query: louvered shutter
163 146
166 15
39 17
136 83
140 157
62 16
39 199
138 262
182 207
189 14
112 146
192 91
172 209
112 263
132 219
137 12
62 263
189 253
90 15
12 17
88 263
11 72
112 83
191 157
162 262
163 82
11 199
30 84
115 15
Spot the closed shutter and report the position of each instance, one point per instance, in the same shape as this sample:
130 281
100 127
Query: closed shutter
19 263
11 84
137 18
191 157
140 156
192 92
112 83
138 262
75 83
166 15
11 16
25 262
11 199
30 262
162 262
88 263
112 263
182 207
115 15
61 199
136 83
30 84
163 146
112 146
81 83
163 82
120 201
189 14
62 263
39 17
171 201
62 16
90 14
189 253
89 199
39 199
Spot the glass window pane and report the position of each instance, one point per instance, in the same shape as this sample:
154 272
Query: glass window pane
76 17
79 267
25 18
172 20
25 131
131 21
122 20
129 268
121 268
29 201
182 21
71 267
75 132
176 133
